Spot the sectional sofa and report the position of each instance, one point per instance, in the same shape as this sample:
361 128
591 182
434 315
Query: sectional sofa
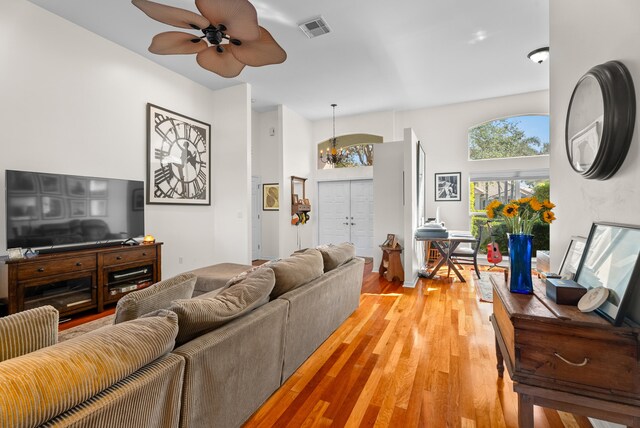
205 361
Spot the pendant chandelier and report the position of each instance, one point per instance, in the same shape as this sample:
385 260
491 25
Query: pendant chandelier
334 156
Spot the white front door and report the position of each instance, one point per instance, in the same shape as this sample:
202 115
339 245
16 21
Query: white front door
333 212
361 218
256 220
345 214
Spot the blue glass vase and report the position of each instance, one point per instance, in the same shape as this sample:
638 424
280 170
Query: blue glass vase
520 247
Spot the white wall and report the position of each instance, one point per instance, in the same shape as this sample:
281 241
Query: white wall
576 47
443 132
231 182
388 209
267 164
75 103
412 255
298 159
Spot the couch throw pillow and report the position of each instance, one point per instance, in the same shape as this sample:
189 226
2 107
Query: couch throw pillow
197 316
39 386
336 255
158 296
296 270
28 331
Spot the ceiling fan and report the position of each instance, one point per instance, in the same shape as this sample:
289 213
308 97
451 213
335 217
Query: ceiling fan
231 37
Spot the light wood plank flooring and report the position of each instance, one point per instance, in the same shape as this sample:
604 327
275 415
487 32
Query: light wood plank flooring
420 357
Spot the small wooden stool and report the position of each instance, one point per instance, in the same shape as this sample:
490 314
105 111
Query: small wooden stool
391 264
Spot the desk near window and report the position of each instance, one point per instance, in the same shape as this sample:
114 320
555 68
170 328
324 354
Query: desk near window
446 246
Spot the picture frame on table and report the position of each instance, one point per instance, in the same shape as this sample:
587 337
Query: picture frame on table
178 158
270 197
448 186
611 259
572 257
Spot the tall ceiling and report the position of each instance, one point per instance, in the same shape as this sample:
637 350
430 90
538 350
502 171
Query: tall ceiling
380 55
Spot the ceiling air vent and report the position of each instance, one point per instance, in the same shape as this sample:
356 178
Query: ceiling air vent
316 27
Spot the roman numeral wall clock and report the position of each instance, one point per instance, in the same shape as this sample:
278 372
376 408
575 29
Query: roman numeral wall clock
179 158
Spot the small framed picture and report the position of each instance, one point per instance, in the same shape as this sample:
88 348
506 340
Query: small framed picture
50 183
52 207
306 201
76 187
270 197
448 186
390 240
294 199
15 253
572 257
98 188
98 207
611 259
78 207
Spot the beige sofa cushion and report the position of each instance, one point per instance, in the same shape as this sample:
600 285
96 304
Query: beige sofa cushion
158 296
296 270
197 316
214 277
336 255
43 384
28 331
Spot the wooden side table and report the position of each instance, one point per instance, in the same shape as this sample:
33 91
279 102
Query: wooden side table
561 358
391 264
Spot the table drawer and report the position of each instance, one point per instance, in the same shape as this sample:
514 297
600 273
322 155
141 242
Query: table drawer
41 269
608 364
129 255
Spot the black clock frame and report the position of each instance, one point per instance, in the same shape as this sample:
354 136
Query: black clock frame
618 93
151 174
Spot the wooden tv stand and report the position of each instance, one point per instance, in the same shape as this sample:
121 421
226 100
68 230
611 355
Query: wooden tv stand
79 280
561 358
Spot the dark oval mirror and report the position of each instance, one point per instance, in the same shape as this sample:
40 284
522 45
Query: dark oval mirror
600 120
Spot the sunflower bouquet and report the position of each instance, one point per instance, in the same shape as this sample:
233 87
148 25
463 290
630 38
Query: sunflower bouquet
520 215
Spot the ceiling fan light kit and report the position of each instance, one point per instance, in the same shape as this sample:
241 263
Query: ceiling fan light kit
231 37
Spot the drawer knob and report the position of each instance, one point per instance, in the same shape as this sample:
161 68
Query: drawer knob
40 269
582 364
119 258
79 264
144 254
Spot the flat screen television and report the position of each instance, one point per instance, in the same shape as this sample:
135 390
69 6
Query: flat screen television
54 212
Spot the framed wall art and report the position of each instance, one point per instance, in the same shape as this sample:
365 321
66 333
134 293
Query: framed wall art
179 158
611 259
270 197
448 186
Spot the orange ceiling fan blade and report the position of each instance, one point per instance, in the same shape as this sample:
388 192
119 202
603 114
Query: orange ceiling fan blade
171 15
260 52
176 43
222 63
238 16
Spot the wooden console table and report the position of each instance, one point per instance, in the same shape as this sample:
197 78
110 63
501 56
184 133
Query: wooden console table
78 280
561 358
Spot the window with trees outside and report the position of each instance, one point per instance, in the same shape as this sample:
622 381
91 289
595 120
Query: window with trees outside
511 137
358 147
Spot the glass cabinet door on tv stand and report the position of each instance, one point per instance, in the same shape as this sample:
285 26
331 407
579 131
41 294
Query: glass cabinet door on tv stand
67 293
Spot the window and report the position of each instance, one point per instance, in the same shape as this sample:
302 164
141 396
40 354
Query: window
483 188
510 137
359 149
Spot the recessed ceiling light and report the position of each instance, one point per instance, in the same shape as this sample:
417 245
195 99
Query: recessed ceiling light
539 55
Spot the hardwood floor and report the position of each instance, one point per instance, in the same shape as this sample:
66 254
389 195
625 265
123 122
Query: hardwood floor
420 357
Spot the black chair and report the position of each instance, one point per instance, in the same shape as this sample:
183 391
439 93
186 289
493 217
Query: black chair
468 256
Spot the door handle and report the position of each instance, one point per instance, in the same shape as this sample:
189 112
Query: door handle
347 223
353 224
